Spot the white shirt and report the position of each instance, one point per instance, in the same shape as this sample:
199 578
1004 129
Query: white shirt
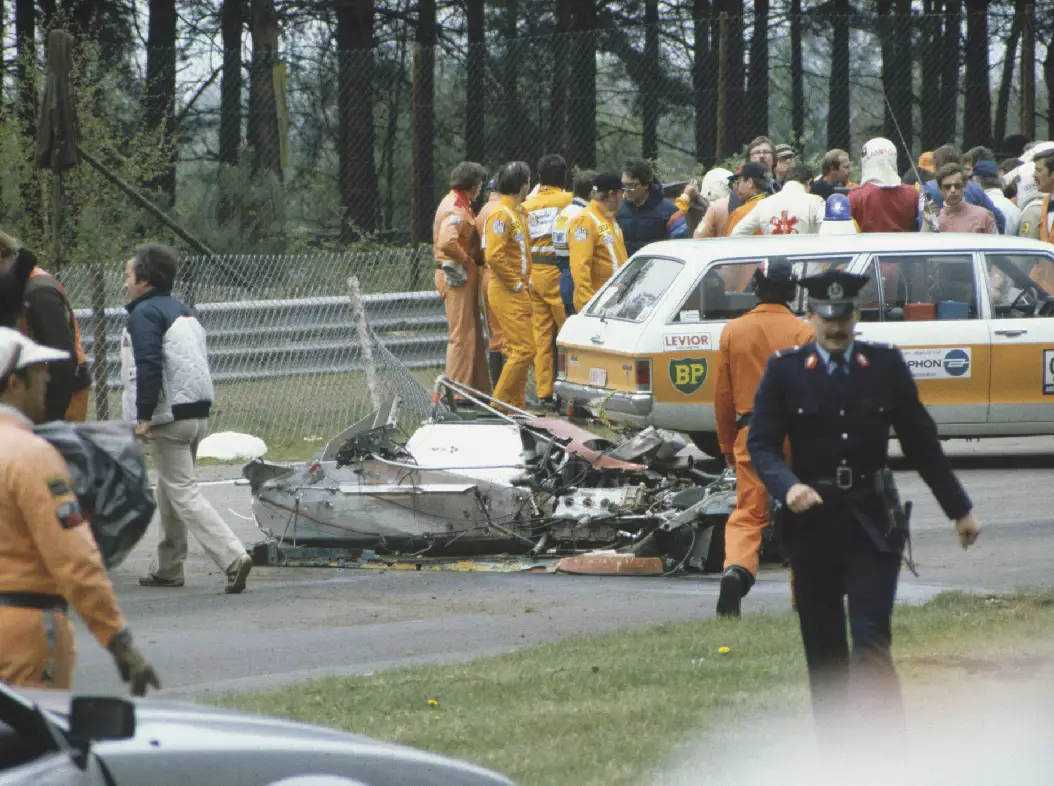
792 211
1010 211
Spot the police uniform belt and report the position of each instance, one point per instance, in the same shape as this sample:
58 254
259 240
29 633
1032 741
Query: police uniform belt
543 258
846 479
743 421
33 600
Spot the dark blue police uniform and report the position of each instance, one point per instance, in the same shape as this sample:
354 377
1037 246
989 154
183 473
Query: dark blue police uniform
837 412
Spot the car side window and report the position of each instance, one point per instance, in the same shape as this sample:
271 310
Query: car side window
924 287
725 291
1020 285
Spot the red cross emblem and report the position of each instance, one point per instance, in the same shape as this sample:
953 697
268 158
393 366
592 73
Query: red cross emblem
784 224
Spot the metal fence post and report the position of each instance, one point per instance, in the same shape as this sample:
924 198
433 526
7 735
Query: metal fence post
100 362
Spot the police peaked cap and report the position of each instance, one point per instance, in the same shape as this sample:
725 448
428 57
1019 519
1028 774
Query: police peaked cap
833 294
607 181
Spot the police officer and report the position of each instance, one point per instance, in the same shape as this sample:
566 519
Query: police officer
49 559
835 399
746 344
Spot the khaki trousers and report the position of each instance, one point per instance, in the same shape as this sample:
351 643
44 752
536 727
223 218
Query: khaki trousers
183 508
36 648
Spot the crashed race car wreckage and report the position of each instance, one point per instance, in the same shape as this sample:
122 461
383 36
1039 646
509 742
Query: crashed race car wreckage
484 479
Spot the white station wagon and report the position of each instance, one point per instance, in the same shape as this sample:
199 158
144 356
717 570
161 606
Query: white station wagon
973 315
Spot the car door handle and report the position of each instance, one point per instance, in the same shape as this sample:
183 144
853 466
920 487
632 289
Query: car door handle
1011 332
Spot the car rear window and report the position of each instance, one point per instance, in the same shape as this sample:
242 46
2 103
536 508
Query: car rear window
636 289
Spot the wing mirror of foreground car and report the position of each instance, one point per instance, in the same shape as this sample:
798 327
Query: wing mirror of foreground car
98 718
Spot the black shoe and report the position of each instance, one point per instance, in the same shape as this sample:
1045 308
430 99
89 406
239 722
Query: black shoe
728 601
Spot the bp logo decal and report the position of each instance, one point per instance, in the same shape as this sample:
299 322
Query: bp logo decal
688 375
956 363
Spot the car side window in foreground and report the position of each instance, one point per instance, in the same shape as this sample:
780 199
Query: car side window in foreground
636 289
1020 285
924 287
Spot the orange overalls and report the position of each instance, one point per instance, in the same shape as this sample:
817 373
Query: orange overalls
457 240
597 251
48 557
509 259
746 344
497 338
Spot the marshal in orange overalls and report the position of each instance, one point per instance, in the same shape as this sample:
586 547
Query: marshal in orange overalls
48 557
746 345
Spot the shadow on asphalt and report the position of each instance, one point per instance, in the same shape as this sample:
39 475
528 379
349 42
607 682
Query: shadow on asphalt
1012 461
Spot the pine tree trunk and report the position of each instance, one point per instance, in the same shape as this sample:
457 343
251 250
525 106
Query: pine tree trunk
263 128
950 61
26 79
1028 73
1002 105
422 194
902 94
649 97
738 132
475 80
232 20
357 174
160 95
512 131
758 80
582 103
838 135
1048 77
797 75
265 219
932 45
703 84
977 117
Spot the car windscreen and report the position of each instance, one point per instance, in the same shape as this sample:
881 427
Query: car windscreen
636 289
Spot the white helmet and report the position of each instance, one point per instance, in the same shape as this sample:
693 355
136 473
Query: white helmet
878 163
1039 150
715 185
1027 190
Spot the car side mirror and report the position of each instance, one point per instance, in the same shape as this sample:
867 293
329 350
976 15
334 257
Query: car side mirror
98 718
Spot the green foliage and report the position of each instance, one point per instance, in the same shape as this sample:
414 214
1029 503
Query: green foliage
100 222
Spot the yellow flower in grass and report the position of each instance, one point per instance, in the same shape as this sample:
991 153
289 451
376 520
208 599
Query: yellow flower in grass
724 650
433 703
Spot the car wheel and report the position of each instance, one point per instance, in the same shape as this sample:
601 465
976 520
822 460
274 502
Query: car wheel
707 442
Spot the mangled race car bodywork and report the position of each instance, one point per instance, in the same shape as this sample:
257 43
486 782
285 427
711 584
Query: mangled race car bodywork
492 484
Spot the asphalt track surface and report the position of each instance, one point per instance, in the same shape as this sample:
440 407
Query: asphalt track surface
293 624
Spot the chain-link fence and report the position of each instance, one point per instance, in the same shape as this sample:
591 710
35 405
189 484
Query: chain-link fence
285 353
341 130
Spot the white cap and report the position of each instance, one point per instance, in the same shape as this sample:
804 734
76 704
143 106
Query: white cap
878 163
18 352
715 184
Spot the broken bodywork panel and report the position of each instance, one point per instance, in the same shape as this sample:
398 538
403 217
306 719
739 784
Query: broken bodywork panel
487 482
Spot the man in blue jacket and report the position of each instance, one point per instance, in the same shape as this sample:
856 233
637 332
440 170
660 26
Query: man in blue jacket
975 195
168 393
646 216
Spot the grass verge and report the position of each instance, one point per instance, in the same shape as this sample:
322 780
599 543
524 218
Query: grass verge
609 709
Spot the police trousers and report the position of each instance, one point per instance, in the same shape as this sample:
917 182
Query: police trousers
36 648
853 691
